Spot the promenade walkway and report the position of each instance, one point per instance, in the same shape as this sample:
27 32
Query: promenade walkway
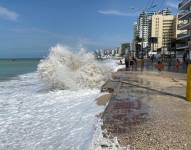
148 110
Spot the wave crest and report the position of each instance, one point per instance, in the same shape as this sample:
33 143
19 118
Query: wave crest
66 69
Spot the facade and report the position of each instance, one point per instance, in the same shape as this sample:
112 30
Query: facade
165 12
164 29
184 19
135 35
144 28
135 31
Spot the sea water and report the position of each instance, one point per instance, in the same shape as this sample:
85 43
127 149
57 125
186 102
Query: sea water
40 111
12 67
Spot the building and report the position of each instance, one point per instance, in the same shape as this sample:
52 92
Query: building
164 29
135 35
135 31
144 28
165 12
184 18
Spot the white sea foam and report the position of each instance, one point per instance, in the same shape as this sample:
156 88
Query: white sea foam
106 142
32 117
66 69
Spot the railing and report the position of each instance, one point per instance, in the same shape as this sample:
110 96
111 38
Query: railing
182 34
185 24
182 46
183 3
184 14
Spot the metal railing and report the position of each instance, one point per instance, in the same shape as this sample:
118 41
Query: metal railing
184 2
184 13
185 24
182 34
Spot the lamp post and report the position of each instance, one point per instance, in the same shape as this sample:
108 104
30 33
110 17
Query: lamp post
188 90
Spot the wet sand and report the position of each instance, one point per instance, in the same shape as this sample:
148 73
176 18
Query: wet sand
148 110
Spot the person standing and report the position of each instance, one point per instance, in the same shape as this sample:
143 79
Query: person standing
131 64
152 58
160 66
135 63
127 62
177 64
120 62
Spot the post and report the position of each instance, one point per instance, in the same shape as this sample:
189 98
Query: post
188 90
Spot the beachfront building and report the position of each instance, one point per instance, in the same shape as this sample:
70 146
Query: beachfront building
144 29
165 12
135 35
164 30
184 37
134 41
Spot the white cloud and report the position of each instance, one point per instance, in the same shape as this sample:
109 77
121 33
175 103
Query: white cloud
116 13
8 14
171 4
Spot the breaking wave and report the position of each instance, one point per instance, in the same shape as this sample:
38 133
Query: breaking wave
66 69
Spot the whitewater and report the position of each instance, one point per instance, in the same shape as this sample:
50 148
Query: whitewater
54 108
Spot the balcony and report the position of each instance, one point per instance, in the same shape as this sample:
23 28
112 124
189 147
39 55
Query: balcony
184 15
182 46
184 26
185 4
184 35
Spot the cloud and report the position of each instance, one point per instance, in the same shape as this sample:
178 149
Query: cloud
116 13
171 4
8 14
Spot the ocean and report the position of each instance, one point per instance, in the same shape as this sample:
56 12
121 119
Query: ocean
13 67
50 107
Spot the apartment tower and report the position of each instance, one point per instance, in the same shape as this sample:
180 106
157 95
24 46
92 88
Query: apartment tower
144 28
164 29
184 18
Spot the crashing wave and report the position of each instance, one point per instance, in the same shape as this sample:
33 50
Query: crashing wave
66 69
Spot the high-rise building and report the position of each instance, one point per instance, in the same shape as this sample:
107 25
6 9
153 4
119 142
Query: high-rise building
184 18
135 35
135 31
163 28
144 28
165 12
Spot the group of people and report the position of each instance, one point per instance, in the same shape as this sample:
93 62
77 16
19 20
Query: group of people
130 63
160 66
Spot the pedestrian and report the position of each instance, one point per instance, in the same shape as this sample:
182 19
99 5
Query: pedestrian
135 63
152 58
160 66
158 57
127 62
177 64
131 64
120 62
142 63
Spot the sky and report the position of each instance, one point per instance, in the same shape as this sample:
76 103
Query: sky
29 28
